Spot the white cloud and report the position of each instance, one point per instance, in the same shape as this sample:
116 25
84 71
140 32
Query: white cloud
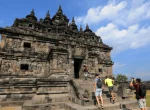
97 14
122 39
127 26
118 65
124 13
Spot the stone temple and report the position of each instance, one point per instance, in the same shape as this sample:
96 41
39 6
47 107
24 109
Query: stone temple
41 62
52 46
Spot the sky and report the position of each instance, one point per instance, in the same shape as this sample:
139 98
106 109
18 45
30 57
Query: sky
122 24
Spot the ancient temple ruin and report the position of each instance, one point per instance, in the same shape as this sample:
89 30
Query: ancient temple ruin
41 63
51 47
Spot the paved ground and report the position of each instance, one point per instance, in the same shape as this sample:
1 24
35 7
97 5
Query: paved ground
7 108
11 108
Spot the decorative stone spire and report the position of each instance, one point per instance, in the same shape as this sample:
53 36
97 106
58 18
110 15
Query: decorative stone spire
47 19
81 30
59 9
73 21
48 15
59 19
32 12
32 16
73 25
87 29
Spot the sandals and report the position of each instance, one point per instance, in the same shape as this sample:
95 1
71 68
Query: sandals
100 107
113 102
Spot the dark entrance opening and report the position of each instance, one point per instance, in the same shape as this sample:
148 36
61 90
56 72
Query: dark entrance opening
77 66
24 67
27 45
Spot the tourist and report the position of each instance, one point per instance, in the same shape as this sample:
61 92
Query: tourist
109 82
98 86
85 72
140 93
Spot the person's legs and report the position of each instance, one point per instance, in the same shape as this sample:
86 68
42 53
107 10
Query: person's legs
101 98
102 102
112 94
97 94
97 99
142 104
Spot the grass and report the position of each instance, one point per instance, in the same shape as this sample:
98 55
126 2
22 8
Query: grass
148 98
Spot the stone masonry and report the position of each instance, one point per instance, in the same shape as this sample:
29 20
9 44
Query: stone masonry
49 46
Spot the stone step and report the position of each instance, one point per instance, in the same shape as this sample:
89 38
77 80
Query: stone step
51 92
39 106
127 104
91 102
20 100
52 88
86 102
11 103
19 92
56 98
51 98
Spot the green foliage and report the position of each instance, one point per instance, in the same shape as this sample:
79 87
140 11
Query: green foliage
121 77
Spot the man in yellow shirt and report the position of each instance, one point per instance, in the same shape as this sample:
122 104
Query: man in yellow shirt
109 82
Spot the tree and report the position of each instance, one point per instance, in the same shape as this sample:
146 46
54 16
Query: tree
121 77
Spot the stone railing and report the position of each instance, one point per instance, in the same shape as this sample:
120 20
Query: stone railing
75 89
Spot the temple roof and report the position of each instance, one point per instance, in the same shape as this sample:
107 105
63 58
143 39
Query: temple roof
31 16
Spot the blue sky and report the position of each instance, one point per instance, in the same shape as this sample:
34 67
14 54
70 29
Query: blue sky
122 24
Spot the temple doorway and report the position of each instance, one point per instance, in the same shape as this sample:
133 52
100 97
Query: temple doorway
77 67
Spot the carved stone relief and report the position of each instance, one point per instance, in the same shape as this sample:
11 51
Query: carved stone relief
62 61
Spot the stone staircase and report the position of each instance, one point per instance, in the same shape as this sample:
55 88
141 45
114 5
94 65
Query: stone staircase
57 94
90 105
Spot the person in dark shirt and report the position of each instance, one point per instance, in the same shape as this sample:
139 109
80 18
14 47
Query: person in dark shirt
141 100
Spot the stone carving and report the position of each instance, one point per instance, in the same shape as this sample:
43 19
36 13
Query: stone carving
61 61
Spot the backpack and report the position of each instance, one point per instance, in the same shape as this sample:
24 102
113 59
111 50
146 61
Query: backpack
142 90
99 83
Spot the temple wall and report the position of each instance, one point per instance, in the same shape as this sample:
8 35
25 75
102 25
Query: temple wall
27 44
40 60
59 61
24 66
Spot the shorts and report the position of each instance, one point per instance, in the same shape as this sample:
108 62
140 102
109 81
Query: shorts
110 89
86 74
142 103
98 92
